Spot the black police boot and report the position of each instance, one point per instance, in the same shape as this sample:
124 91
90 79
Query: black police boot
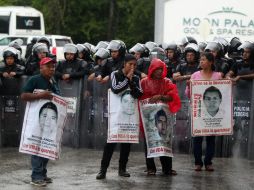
122 172
101 174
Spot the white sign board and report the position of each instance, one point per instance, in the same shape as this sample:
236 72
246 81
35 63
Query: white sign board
205 19
211 105
158 124
123 122
43 127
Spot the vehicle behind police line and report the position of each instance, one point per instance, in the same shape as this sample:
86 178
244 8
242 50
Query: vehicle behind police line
56 43
18 20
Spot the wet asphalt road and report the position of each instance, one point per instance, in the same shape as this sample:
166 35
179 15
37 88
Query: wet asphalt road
77 169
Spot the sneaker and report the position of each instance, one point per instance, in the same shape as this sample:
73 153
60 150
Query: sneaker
48 180
39 183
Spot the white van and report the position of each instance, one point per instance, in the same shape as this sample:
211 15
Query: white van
18 20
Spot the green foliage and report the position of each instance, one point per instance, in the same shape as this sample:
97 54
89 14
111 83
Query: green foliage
89 21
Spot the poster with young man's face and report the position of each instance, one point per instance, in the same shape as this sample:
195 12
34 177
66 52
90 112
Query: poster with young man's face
158 124
211 105
43 127
123 122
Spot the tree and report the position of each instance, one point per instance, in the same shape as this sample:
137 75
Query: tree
92 21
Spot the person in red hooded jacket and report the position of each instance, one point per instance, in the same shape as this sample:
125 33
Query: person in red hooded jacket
159 88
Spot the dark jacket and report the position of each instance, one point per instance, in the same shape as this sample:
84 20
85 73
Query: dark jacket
110 65
76 68
18 69
119 83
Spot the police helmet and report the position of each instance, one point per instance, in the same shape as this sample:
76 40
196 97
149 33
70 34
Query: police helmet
188 39
151 45
16 45
70 48
39 48
10 52
157 52
233 45
138 47
117 45
213 46
82 48
192 47
101 44
246 45
44 39
202 46
102 53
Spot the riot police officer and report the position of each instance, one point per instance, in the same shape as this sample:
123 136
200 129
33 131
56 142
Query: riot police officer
117 50
173 58
191 56
243 69
71 67
11 68
39 51
220 63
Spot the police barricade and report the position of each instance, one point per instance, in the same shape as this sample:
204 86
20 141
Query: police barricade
99 115
250 154
182 130
12 111
87 128
72 91
240 144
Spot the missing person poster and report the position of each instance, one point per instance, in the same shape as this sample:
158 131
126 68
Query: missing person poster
211 105
43 127
123 120
158 124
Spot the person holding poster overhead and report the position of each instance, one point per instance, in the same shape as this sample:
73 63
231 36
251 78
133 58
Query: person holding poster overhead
206 73
43 81
157 88
121 80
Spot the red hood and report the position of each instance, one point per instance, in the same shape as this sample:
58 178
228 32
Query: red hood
155 64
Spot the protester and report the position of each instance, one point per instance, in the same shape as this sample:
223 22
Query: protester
121 80
207 73
46 82
159 88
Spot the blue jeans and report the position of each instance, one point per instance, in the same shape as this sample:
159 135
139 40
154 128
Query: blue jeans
210 149
39 167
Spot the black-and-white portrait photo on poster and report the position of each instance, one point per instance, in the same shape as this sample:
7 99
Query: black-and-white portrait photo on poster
158 124
123 122
43 127
211 105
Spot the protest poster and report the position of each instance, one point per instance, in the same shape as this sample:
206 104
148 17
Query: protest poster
43 127
211 107
158 124
123 120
